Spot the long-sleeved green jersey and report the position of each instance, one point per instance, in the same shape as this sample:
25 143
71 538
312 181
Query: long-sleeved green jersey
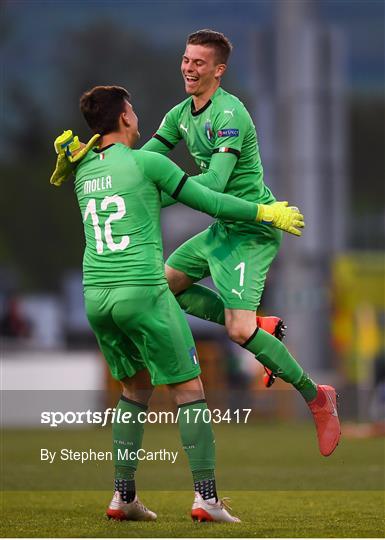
118 190
222 139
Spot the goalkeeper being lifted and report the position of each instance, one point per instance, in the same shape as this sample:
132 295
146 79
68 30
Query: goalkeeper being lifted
221 136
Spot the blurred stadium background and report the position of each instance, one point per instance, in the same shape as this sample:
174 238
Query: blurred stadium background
312 75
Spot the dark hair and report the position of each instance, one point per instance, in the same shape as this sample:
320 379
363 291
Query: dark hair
101 107
215 40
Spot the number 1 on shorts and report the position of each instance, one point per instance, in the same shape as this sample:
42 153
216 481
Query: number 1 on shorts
241 267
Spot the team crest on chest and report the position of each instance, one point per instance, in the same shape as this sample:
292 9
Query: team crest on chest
208 130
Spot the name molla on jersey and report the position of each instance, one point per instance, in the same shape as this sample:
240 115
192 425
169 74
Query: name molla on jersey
120 211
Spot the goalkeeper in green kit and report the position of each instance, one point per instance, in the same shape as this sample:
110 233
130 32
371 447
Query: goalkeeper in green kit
220 135
137 321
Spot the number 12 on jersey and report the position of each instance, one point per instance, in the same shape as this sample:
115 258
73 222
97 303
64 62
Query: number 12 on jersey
114 216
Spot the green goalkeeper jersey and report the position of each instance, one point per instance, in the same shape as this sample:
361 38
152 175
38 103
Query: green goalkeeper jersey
222 139
118 190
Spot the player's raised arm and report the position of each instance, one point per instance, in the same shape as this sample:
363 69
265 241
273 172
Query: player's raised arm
166 136
225 136
218 173
170 178
216 177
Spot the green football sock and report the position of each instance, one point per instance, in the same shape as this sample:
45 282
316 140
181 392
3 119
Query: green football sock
202 302
203 474
307 387
127 438
197 439
274 355
207 304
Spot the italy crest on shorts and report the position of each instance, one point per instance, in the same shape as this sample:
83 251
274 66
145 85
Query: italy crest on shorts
194 356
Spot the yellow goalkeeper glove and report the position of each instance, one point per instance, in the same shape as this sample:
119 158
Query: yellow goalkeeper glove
281 216
70 150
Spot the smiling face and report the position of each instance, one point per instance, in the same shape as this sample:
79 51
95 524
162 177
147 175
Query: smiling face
201 71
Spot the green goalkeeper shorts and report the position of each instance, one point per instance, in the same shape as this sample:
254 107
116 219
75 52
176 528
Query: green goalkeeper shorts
237 262
142 328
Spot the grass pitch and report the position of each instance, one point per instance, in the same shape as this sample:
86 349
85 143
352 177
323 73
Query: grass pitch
279 485
324 514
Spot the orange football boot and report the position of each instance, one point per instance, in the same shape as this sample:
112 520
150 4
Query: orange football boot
325 415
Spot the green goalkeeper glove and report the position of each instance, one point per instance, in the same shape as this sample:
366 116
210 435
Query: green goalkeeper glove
70 150
281 216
